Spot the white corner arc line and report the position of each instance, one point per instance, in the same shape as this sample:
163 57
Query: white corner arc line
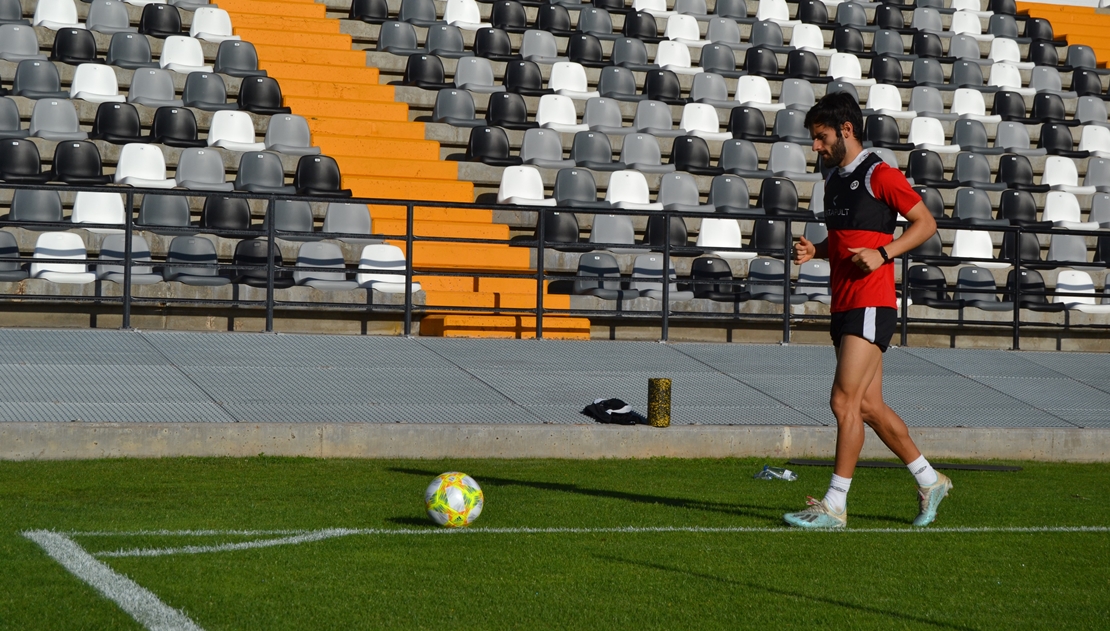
139 602
306 536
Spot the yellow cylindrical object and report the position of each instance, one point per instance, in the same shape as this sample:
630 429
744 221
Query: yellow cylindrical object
659 402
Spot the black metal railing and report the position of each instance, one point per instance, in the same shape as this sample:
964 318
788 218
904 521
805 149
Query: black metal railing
665 315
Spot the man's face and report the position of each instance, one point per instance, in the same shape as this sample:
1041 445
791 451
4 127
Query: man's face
828 144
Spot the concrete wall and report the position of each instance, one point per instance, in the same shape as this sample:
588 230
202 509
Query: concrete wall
48 441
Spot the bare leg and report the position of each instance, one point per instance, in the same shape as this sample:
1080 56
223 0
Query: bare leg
858 362
890 427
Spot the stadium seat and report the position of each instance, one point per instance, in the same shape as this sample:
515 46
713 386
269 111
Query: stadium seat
289 134
509 111
418 12
319 175
569 79
684 29
975 288
74 46
1060 174
142 165
510 16
369 11
255 252
596 21
766 279
490 145
56 119
522 186
464 14
976 244
164 211
523 77
553 18
576 188
691 154
95 83
399 38
679 191
349 218
642 153
117 123
716 281
700 119
557 112
972 169
729 194
740 157
36 79
292 216
386 269
788 160
175 127
475 74
929 288
663 86
98 208
543 148
10 271
1078 282
973 207
78 163
618 84
602 266
1061 209
674 56
813 281
327 255
1033 292
629 189
647 278
455 108
233 131
35 206
261 95
160 20
18 42
56 15
182 54
201 169
723 233
211 24
61 245
540 47
192 261
238 59
493 43
603 115
20 162
592 150
129 50
225 213
10 124
11 12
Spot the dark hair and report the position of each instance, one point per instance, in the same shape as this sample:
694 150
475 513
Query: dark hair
833 110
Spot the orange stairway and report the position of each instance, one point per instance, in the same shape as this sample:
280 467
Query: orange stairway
1078 25
382 154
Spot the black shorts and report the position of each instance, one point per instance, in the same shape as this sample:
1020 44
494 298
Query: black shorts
874 324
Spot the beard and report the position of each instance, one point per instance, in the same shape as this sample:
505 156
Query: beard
836 152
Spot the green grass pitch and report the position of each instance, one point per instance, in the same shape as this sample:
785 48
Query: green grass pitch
876 575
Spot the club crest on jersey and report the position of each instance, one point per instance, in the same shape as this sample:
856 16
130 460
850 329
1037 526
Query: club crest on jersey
854 185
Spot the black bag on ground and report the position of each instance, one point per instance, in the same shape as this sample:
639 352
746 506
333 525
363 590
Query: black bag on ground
613 411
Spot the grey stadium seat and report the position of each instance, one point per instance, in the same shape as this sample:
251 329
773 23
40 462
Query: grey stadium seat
289 134
614 229
604 115
238 59
109 17
19 42
165 211
576 188
975 287
618 83
654 117
10 271
153 87
729 194
765 282
130 50
455 107
647 278
399 38
114 248
348 218
192 260
36 79
292 216
543 148
322 254
679 191
710 88
56 119
592 150
604 267
475 74
202 169
641 152
28 205
206 91
10 124
261 172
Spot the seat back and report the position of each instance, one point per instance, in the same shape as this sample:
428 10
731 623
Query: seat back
728 191
141 161
59 245
199 167
32 75
104 208
29 205
231 126
190 256
344 217
160 20
288 130
175 123
261 95
600 264
164 210
54 116
689 152
574 185
204 89
541 144
236 58
522 182
18 41
181 50
641 149
115 119
225 213
154 84
75 46
76 159
475 71
386 261
128 50
627 186
589 146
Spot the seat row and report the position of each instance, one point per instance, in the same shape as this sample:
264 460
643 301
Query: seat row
60 257
159 19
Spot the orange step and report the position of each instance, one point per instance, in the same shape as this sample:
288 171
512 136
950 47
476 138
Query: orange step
442 229
310 72
272 22
477 256
492 300
296 8
357 110
343 91
422 213
470 283
380 167
376 147
393 188
512 327
295 39
352 127
311 56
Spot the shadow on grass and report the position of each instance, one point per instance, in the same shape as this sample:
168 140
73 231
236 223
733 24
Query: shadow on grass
906 618
763 512
418 522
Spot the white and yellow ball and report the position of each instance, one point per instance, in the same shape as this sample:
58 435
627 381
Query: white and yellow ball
454 499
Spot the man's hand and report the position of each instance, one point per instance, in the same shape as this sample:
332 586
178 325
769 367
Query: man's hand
804 250
866 259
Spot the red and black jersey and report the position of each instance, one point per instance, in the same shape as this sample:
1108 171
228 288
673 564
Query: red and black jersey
860 209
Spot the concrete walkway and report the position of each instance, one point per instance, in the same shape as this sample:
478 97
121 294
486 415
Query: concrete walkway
79 384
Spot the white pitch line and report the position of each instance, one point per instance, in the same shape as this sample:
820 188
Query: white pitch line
305 536
140 603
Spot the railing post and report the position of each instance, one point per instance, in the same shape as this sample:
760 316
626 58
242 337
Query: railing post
787 260
270 245
541 234
1016 241
666 332
129 222
905 299
409 255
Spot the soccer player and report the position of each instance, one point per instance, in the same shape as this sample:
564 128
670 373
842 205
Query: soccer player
863 199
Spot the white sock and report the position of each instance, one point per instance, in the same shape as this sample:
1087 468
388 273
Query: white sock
836 497
923 471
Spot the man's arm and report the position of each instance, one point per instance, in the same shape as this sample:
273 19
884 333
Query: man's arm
922 226
805 250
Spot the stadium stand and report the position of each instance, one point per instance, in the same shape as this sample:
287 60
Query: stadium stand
441 101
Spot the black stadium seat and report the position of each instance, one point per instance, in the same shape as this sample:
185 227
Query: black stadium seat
176 127
78 163
20 162
261 95
117 123
319 175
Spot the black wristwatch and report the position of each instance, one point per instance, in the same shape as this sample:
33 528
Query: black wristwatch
882 252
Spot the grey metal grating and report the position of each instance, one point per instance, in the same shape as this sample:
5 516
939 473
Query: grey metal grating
65 375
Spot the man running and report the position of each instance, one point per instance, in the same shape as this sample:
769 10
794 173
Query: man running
863 198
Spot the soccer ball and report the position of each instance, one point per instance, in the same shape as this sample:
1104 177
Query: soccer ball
454 499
